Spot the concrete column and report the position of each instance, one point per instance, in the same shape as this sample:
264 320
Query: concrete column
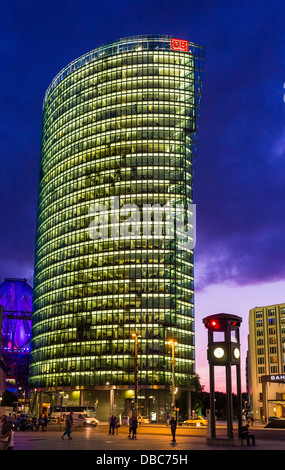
189 404
41 403
111 401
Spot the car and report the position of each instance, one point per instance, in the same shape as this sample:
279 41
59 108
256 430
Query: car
84 419
272 418
200 421
143 419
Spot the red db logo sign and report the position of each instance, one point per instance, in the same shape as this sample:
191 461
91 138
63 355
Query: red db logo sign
179 45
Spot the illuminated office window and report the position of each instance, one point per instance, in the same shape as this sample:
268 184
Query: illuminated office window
119 122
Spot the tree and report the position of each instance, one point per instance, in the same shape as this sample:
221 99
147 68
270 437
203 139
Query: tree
196 399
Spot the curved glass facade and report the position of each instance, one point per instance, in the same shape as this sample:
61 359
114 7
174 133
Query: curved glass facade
119 127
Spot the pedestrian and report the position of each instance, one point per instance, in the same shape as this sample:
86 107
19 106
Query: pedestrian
40 421
116 424
250 421
130 427
112 425
7 435
35 423
246 435
68 425
134 427
173 428
44 423
168 418
263 419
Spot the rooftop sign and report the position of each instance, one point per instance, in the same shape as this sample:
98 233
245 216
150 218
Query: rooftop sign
179 45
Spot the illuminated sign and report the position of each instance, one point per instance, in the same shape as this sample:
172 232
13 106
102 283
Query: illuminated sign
277 377
179 45
273 378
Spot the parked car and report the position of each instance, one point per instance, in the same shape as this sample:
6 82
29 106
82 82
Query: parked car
143 419
193 421
272 418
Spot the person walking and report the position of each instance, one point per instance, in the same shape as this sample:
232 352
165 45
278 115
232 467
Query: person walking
134 427
7 437
130 427
116 424
44 423
112 425
68 425
173 428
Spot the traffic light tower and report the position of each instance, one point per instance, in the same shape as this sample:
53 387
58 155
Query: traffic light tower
224 352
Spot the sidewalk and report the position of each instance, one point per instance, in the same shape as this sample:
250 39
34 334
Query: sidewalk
148 439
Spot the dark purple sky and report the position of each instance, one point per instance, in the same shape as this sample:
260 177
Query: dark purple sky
240 170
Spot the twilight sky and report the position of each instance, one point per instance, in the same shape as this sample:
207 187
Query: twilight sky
239 183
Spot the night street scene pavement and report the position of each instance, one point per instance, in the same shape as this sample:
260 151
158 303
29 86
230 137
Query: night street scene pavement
149 438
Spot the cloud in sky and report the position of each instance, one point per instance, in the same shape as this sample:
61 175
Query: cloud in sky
239 179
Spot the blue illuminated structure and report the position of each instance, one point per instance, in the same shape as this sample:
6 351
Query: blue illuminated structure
16 298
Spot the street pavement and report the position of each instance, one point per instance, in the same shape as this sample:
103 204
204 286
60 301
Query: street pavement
156 438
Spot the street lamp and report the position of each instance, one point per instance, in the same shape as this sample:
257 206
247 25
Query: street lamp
173 344
112 389
135 335
66 399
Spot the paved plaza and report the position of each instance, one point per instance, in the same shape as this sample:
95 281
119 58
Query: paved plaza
149 438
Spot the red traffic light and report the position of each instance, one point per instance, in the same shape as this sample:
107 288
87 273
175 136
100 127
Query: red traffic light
213 325
222 322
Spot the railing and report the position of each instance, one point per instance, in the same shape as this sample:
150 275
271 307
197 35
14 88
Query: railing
133 43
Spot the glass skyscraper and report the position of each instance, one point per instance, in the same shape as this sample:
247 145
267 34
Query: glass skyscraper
119 129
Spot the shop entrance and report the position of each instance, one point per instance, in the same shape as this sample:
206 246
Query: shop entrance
273 378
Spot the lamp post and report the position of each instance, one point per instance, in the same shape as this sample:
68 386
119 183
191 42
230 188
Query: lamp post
66 398
112 389
173 344
135 335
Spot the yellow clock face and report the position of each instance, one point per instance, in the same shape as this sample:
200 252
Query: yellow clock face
219 353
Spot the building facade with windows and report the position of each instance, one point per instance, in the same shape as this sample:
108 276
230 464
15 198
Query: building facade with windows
266 361
119 131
